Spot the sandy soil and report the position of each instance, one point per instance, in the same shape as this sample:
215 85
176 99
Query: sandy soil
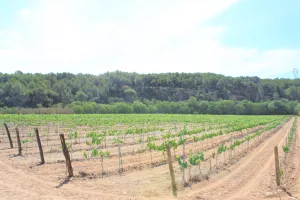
250 178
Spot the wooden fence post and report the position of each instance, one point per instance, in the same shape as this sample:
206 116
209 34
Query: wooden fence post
174 187
277 166
119 155
66 154
183 159
19 141
8 135
230 155
40 145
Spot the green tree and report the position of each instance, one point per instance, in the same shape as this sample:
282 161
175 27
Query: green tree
129 95
80 96
139 107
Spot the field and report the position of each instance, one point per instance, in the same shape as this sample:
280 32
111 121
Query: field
125 156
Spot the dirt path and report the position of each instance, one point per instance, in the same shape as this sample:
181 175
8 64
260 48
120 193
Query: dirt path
291 181
248 179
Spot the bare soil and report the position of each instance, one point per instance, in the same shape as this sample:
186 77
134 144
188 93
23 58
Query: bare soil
251 176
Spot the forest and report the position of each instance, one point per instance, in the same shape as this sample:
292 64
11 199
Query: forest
123 92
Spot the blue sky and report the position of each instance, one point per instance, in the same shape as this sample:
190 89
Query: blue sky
230 37
262 24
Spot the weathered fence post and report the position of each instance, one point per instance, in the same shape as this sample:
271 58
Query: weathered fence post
119 155
230 155
105 134
174 187
8 135
40 145
66 154
183 159
248 141
19 141
277 166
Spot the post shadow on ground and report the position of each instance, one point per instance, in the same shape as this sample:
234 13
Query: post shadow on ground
64 181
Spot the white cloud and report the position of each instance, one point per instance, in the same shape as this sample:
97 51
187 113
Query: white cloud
171 37
25 12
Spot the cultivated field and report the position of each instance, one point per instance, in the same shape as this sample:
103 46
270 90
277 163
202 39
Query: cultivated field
125 156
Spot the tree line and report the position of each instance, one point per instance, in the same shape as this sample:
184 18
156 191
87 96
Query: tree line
115 92
190 106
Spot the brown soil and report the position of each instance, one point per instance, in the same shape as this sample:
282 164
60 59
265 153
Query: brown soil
252 177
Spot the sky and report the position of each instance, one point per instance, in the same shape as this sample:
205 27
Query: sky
230 37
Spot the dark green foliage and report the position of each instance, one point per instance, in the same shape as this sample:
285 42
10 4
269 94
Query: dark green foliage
121 92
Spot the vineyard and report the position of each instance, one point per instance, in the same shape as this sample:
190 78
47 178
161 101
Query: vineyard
114 148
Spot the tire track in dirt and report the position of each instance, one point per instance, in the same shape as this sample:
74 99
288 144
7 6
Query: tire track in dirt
238 181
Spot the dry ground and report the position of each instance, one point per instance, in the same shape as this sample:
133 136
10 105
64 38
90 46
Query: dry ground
250 178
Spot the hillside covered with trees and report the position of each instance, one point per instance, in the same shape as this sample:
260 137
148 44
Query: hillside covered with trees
121 92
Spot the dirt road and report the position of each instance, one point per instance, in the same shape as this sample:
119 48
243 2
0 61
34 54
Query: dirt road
253 177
